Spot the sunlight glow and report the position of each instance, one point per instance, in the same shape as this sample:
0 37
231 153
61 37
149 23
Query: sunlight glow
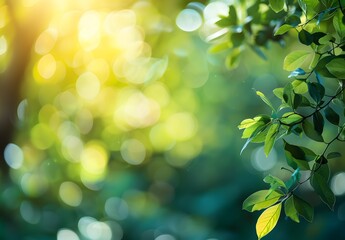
116 208
14 156
67 234
133 151
88 86
46 41
89 30
94 158
46 66
338 184
3 45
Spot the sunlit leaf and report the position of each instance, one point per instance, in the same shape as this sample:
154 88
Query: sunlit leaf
275 182
295 59
260 200
338 24
268 220
270 138
283 29
265 100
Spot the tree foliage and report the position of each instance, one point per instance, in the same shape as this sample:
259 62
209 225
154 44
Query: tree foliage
312 102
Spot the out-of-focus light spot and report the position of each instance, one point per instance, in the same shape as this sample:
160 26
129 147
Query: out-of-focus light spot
160 138
68 102
116 229
181 126
67 129
3 45
72 147
116 208
34 185
67 234
338 184
92 181
183 152
84 121
70 193
42 136
159 93
14 156
29 213
133 151
262 163
188 20
165 237
46 41
46 113
94 158
46 66
89 30
93 229
116 21
135 110
21 109
100 68
215 9
88 86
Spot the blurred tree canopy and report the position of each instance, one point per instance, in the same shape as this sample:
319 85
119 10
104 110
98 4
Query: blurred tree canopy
118 121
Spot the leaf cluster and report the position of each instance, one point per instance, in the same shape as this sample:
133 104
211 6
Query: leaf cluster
308 103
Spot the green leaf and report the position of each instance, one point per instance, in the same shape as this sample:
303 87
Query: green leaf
265 100
247 123
260 120
256 132
283 29
290 209
339 24
274 182
297 156
303 208
337 67
332 116
291 118
223 22
300 87
318 122
317 36
232 15
316 91
305 37
237 39
319 181
270 138
288 94
277 5
278 92
333 155
295 59
268 220
219 47
260 200
310 132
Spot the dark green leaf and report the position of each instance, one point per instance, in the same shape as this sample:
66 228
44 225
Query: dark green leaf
294 179
305 37
318 122
293 20
310 132
290 209
319 181
332 116
237 38
317 36
316 91
303 208
223 22
274 182
321 67
333 155
232 15
297 156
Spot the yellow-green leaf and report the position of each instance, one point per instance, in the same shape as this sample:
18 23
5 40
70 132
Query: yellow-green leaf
295 59
247 123
268 220
299 87
260 200
270 138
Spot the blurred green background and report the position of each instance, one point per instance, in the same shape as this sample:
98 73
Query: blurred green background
125 126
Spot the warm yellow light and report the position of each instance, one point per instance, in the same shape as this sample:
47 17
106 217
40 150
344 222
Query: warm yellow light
94 158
